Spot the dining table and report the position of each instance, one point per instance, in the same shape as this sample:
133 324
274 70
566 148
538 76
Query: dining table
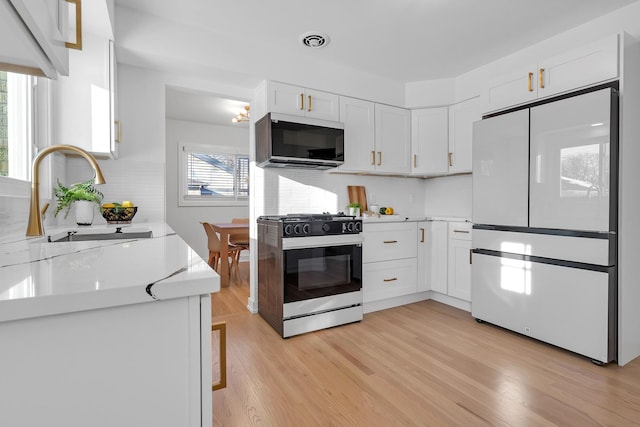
224 230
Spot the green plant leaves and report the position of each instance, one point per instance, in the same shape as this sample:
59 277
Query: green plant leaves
65 196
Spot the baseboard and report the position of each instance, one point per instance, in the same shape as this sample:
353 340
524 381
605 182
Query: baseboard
372 306
252 305
454 302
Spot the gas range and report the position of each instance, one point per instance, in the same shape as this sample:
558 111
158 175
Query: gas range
303 225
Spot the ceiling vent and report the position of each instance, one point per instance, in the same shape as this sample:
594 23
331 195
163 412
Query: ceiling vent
314 39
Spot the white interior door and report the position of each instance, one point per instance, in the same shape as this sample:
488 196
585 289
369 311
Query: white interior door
571 163
500 170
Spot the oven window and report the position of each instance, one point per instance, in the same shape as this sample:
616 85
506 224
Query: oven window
318 272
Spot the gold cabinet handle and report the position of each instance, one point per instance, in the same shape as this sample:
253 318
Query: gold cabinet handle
222 327
379 158
415 161
310 105
78 44
390 241
470 260
421 235
393 279
118 131
541 75
302 101
461 231
373 158
450 159
530 82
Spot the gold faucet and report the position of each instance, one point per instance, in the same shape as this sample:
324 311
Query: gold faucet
34 228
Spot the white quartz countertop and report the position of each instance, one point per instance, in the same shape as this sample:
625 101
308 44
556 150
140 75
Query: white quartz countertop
38 278
401 218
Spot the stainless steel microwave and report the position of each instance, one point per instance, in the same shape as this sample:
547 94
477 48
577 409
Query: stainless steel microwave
283 140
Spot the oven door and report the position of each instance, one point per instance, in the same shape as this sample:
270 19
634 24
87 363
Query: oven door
314 272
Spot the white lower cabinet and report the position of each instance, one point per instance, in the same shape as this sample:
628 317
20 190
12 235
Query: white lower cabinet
459 261
449 259
389 260
146 364
388 279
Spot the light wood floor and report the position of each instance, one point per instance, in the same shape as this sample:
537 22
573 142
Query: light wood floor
424 364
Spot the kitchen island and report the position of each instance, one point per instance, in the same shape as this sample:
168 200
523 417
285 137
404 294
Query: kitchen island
105 332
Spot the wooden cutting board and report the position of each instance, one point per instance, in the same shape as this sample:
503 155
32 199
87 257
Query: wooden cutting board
357 193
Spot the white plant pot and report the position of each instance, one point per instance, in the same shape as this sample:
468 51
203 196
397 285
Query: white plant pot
83 211
354 211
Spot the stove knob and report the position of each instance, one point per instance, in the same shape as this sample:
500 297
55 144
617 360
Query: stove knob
288 229
306 228
297 229
325 227
358 227
350 226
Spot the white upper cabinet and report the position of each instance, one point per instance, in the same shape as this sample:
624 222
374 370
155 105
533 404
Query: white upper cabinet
359 134
581 67
35 32
441 138
84 104
429 141
289 99
393 139
377 138
461 118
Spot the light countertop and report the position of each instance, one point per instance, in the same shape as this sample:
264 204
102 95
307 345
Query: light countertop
41 278
401 218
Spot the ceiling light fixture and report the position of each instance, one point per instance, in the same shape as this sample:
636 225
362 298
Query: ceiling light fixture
314 39
243 116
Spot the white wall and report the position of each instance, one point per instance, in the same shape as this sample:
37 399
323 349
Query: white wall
185 220
448 196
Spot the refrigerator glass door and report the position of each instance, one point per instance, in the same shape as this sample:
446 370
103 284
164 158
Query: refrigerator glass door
571 163
500 170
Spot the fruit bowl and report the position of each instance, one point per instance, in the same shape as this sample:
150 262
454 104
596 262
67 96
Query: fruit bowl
119 214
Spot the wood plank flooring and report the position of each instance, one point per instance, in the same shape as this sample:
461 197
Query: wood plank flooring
424 364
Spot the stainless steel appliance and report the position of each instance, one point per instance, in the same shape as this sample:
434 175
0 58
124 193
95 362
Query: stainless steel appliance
545 222
309 271
284 140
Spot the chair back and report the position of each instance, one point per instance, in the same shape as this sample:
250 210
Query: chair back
213 241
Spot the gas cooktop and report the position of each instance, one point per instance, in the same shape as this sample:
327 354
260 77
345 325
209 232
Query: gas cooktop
301 225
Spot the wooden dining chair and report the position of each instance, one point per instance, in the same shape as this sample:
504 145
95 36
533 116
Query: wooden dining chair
240 240
214 245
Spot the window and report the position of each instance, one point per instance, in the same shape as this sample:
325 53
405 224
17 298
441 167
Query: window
211 175
16 125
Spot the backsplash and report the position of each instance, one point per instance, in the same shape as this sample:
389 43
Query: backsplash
283 191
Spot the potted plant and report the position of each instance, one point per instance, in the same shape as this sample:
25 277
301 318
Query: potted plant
354 208
83 196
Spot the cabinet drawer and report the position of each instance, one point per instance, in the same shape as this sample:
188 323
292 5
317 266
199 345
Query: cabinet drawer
384 242
389 279
460 230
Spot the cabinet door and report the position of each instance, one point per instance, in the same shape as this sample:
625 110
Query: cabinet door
82 113
439 253
587 65
389 241
388 279
38 33
429 141
321 105
286 99
513 88
461 118
359 129
459 261
424 254
393 139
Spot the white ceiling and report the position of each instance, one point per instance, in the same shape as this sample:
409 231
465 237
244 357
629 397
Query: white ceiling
396 40
201 107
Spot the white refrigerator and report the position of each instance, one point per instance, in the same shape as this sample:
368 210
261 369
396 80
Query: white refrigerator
545 221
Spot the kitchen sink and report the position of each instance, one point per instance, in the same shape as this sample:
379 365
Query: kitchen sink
81 236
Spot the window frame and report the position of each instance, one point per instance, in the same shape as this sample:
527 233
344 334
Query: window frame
189 200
